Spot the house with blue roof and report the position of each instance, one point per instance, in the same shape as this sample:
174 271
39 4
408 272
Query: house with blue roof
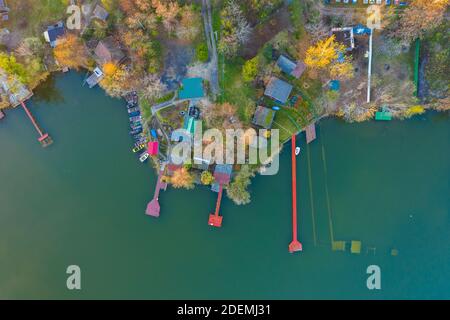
290 67
278 90
192 88
54 33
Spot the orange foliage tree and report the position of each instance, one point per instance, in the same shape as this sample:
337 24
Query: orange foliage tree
182 178
71 52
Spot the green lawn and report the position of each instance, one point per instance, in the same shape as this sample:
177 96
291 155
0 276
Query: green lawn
30 17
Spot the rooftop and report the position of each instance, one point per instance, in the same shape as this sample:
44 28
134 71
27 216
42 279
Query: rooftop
278 90
290 67
54 32
222 173
108 50
100 13
263 117
192 88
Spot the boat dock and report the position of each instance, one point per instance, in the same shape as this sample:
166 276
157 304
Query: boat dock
310 133
153 208
44 138
215 219
295 245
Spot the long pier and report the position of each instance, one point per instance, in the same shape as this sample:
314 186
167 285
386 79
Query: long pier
295 245
215 219
44 138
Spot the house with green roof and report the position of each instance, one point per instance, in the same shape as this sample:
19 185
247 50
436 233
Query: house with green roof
192 88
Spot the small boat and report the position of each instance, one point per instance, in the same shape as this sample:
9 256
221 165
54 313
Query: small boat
139 148
136 131
136 126
134 109
297 151
134 114
143 157
136 118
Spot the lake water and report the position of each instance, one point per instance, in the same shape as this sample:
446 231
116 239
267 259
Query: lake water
82 201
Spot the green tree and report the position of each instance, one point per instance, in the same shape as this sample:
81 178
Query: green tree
13 68
207 178
237 190
202 52
250 69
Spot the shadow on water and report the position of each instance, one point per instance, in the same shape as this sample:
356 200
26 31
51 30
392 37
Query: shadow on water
47 91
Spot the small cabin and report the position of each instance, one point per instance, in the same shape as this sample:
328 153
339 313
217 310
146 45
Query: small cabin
278 90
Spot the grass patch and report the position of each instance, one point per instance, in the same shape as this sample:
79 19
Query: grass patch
235 90
30 17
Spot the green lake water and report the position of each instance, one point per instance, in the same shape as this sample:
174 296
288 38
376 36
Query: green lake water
82 202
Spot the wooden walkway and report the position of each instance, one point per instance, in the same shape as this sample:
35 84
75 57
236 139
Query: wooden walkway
310 133
153 208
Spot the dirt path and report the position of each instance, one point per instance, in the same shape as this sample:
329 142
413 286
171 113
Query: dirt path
211 42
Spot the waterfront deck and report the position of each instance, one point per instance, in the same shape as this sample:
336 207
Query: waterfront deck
310 133
215 220
154 208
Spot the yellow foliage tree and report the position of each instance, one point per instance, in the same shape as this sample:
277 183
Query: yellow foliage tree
71 52
342 70
207 178
109 68
323 53
182 178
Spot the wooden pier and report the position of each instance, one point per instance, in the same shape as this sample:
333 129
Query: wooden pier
310 133
153 208
44 138
215 219
295 245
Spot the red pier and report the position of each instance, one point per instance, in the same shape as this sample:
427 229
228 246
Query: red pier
153 208
295 245
44 138
215 219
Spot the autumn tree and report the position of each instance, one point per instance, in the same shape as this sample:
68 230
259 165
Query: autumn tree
250 69
182 178
71 52
152 87
168 11
342 70
207 178
419 17
116 81
236 30
189 25
323 53
13 68
238 189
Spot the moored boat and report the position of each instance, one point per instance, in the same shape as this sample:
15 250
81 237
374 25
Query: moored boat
144 157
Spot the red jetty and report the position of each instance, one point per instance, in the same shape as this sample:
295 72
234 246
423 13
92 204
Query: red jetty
44 138
222 176
153 208
215 219
295 245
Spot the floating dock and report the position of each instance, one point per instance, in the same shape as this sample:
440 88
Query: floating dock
153 208
295 245
44 138
310 133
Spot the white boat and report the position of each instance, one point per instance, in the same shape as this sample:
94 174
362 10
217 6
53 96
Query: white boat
144 157
297 151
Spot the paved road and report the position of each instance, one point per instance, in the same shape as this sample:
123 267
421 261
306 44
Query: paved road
212 48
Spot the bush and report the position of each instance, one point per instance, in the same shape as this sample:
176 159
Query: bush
250 69
202 52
